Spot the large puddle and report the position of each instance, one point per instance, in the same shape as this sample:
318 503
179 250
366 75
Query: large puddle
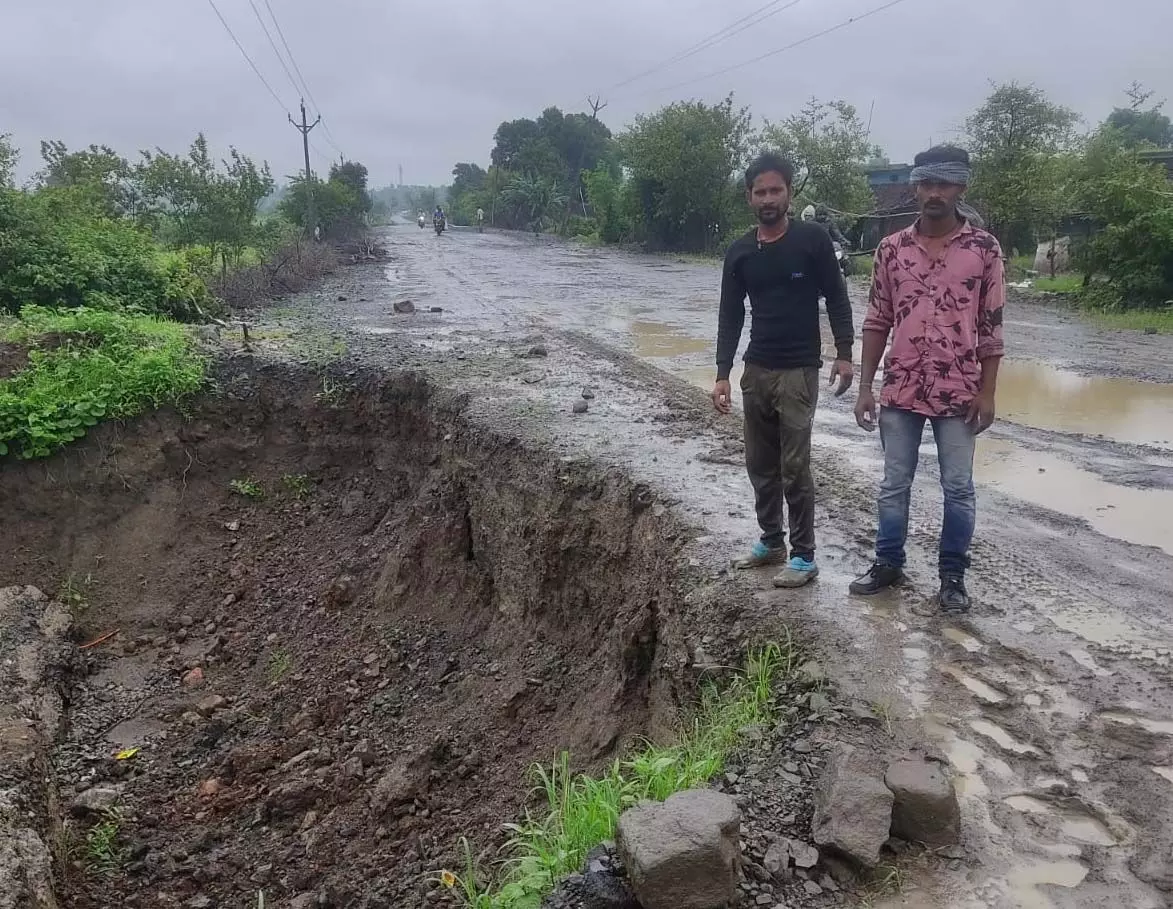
1030 394
1038 395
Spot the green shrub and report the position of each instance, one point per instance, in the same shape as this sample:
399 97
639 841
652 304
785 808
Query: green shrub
57 250
88 365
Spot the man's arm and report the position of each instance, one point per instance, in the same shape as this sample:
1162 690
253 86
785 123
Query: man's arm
990 347
877 324
834 288
731 314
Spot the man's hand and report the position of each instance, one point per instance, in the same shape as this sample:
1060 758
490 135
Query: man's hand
981 412
845 372
865 409
722 396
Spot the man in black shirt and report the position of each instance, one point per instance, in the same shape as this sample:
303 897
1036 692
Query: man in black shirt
783 266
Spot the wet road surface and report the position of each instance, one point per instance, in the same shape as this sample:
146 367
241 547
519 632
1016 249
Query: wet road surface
1053 701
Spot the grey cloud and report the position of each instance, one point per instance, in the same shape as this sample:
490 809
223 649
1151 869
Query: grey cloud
424 84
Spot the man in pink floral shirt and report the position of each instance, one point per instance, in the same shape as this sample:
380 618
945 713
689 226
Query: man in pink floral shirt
938 291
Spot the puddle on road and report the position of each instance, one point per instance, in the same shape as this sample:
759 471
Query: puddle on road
1039 395
987 693
962 639
1074 825
1156 727
1025 881
656 339
1142 516
1002 738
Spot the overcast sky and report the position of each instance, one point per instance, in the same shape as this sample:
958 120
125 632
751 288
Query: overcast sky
424 84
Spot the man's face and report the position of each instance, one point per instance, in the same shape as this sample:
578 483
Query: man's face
936 199
769 197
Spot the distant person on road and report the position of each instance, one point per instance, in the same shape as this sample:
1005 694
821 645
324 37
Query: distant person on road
783 266
937 291
823 218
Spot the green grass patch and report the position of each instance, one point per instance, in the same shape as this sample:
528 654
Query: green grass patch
85 366
1060 284
579 811
1159 321
1018 266
102 852
247 487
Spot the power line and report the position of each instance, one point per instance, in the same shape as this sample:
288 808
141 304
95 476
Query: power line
240 47
780 50
297 69
747 21
273 44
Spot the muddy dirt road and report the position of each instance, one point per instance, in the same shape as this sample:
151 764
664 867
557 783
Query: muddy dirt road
1053 701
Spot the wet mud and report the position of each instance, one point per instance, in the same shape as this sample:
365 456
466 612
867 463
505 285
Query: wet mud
1053 694
322 684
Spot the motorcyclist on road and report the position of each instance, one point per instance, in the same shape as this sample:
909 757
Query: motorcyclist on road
823 218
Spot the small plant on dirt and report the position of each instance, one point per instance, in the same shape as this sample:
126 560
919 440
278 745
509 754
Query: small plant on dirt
101 852
248 487
581 811
279 664
72 593
299 485
883 712
332 392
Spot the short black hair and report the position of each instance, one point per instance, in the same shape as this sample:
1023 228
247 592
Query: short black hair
942 154
769 162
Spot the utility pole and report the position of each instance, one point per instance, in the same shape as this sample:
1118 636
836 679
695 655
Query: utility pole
597 104
304 128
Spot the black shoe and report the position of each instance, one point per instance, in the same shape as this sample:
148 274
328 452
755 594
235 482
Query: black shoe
953 597
879 577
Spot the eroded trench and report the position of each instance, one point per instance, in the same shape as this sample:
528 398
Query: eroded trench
338 620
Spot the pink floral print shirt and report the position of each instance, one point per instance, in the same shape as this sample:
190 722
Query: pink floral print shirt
944 316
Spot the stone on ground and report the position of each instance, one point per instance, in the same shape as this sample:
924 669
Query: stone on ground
33 656
853 808
682 853
925 809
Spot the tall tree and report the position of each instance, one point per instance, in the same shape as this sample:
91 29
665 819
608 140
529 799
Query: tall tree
8 158
682 160
353 175
98 170
828 144
1141 126
1014 138
199 202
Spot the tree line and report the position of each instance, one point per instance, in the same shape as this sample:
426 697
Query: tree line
671 180
167 233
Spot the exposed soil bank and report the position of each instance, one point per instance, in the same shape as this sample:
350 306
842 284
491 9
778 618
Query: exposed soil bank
414 611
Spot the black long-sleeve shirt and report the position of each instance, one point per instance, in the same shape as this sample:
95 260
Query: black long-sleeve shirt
783 280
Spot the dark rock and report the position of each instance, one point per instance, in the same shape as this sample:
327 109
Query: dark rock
588 393
925 808
853 809
403 307
682 853
579 407
95 801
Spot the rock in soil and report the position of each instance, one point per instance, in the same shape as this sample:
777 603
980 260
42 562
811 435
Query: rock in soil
404 307
682 853
579 407
853 809
33 653
925 808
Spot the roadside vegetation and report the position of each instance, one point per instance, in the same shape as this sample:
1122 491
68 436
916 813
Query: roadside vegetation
671 182
102 259
579 811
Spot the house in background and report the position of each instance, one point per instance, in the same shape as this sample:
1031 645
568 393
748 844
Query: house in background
895 205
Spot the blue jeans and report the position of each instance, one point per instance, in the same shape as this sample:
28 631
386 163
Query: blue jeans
900 436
